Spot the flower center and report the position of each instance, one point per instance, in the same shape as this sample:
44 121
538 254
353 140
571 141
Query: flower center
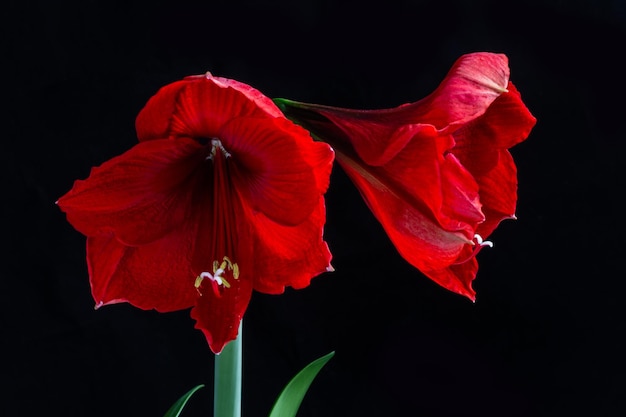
217 278
215 145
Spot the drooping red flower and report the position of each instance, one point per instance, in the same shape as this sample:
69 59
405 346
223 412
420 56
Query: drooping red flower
221 196
436 173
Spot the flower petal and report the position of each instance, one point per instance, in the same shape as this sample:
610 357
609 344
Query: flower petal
473 83
289 255
219 317
198 105
153 276
376 139
506 123
279 173
458 277
418 237
434 183
470 87
431 241
498 193
204 106
140 196
262 101
153 121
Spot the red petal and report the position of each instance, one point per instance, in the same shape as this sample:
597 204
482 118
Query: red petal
278 167
506 123
198 105
377 136
414 232
154 276
320 156
434 183
204 106
471 86
429 206
498 193
289 255
140 195
262 101
457 278
153 121
219 317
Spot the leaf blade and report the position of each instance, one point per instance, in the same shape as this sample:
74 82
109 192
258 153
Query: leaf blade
289 400
178 406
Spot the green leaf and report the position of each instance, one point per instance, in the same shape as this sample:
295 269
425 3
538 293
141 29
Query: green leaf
289 400
178 406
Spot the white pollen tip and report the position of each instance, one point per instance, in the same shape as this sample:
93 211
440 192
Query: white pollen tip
330 268
482 242
208 75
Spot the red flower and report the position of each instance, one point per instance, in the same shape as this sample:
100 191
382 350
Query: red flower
436 173
222 195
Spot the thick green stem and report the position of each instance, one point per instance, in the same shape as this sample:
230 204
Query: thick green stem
227 382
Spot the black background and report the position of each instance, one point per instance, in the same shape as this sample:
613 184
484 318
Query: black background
545 335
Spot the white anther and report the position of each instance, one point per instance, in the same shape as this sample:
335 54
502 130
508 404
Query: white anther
482 242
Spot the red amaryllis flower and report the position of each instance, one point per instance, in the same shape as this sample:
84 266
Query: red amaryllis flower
221 196
436 173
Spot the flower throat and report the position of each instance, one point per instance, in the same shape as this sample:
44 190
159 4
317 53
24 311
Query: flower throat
222 225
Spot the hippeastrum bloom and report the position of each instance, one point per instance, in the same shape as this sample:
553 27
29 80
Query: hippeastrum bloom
436 173
221 196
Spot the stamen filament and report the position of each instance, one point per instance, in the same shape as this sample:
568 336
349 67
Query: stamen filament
215 145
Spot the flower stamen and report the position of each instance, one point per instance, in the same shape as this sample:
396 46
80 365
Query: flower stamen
476 247
482 242
217 277
215 145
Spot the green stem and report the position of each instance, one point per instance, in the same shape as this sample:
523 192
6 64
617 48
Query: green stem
227 379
